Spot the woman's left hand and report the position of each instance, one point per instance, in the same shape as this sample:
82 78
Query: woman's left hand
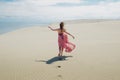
49 27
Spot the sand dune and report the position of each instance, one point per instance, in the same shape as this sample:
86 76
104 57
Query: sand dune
31 53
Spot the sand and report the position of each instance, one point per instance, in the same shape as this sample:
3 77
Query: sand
31 53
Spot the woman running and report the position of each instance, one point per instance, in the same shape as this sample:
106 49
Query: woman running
63 42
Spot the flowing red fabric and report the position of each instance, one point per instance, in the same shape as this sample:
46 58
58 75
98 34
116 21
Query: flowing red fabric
63 42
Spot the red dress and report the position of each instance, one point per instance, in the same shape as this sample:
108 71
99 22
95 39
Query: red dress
64 43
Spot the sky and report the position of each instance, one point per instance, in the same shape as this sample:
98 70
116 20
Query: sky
55 10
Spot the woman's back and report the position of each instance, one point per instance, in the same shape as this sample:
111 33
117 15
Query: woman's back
61 31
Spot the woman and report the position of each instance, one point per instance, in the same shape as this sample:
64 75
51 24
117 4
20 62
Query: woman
63 40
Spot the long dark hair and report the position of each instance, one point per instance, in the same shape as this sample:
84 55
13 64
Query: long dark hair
62 26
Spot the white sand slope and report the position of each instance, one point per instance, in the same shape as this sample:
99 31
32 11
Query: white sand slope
30 53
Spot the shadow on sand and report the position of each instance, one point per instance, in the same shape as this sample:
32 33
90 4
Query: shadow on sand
54 59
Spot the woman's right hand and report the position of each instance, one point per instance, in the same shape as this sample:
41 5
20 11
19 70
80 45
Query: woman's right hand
73 37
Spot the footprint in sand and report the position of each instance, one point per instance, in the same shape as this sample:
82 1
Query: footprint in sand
59 66
60 76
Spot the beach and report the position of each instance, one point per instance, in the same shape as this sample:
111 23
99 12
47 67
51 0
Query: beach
31 53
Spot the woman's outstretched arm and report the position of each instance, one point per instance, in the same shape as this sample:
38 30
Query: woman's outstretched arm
70 35
52 29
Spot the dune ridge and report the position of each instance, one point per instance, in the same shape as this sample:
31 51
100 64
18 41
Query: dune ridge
31 53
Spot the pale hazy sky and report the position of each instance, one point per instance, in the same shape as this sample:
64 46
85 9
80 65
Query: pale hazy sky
60 9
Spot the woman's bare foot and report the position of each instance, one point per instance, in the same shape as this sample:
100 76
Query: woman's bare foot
59 54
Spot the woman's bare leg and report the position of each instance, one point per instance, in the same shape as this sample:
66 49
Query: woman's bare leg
61 51
59 54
